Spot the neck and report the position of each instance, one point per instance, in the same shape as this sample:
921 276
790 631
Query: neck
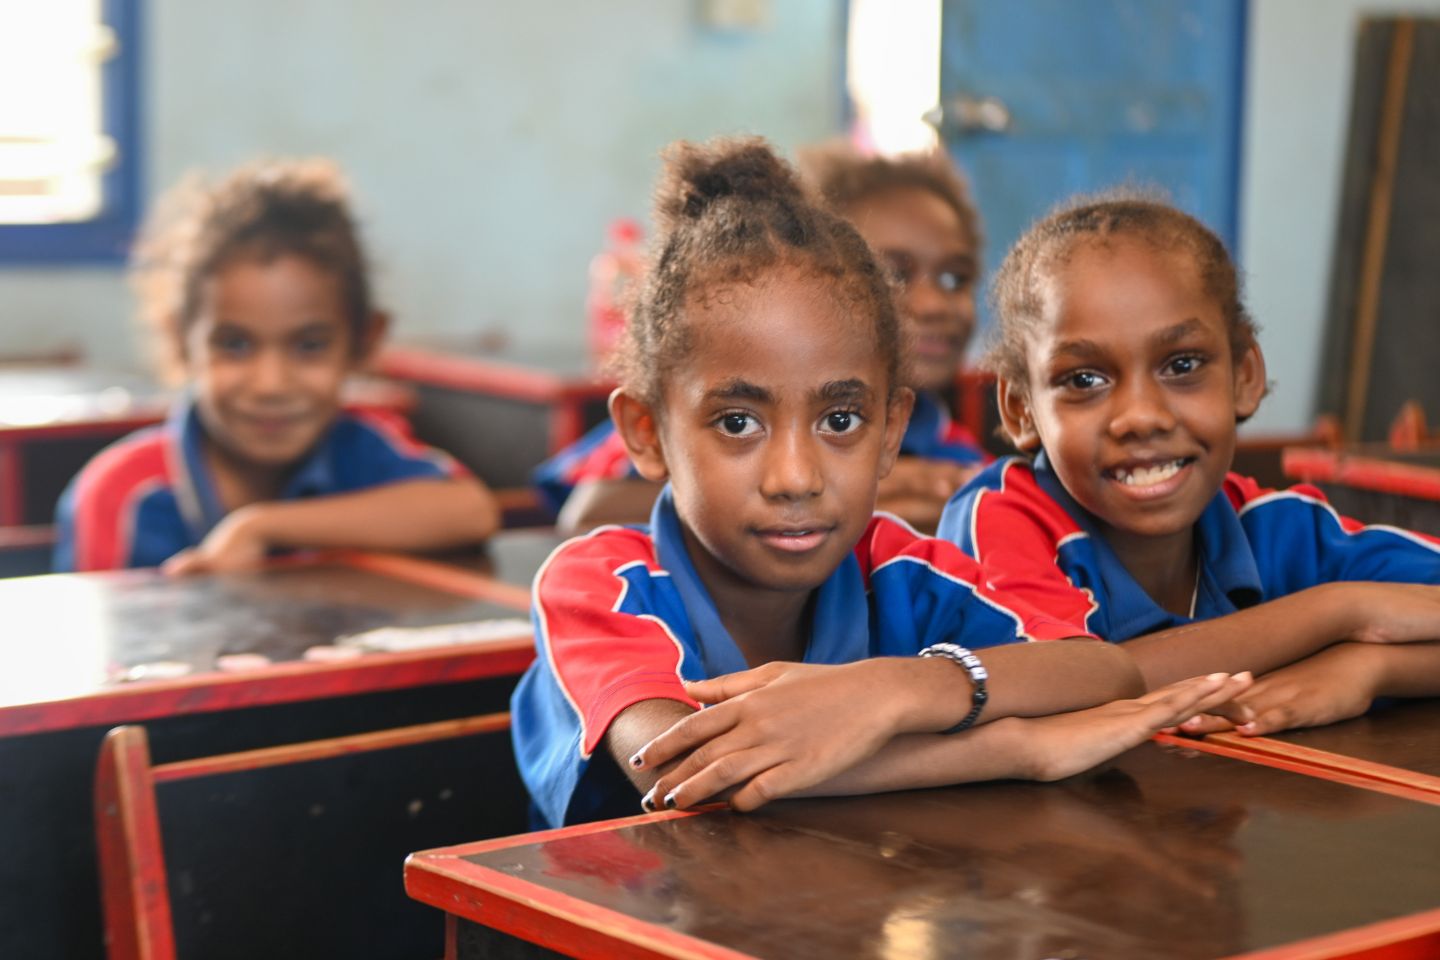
1165 567
240 483
765 624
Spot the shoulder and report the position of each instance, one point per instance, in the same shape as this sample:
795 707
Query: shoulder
1005 501
596 559
128 468
117 500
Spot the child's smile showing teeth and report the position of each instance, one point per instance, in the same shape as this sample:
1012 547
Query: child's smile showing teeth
1156 478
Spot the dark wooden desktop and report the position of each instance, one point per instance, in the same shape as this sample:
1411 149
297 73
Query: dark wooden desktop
69 639
1181 851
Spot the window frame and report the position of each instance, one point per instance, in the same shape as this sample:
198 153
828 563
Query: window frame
105 238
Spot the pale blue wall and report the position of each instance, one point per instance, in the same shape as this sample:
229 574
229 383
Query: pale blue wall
489 142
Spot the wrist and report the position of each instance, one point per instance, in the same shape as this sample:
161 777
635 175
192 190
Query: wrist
960 693
254 521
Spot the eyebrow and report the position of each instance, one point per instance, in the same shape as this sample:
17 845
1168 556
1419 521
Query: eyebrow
853 390
1089 349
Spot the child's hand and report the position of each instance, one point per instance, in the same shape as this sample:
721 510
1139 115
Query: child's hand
1394 612
234 546
1335 684
1068 743
781 728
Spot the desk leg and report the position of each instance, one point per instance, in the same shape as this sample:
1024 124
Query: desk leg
471 941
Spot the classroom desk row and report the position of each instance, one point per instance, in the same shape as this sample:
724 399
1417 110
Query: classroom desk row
1315 845
218 664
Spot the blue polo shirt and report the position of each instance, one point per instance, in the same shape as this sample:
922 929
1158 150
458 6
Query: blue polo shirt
1034 541
150 495
621 616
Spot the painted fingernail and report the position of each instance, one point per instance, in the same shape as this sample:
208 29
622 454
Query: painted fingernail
647 802
670 801
637 761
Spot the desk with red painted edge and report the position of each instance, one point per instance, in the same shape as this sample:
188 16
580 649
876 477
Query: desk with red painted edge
1169 851
500 411
1373 483
1398 743
67 635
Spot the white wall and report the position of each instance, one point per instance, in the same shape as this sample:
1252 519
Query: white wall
489 142
1299 69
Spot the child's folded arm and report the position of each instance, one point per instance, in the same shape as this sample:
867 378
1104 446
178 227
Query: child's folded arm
1043 748
420 514
1270 635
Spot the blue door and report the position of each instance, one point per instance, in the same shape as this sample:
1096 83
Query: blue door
1046 98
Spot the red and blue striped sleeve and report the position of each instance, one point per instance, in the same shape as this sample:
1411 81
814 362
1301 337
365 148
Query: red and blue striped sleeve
1015 531
99 518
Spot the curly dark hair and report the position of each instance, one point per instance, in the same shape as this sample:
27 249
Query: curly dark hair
843 177
1018 291
262 211
727 212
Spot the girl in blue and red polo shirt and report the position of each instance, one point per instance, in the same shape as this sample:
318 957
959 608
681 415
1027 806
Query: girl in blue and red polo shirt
257 289
1125 360
760 383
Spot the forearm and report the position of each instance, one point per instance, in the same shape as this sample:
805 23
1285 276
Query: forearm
1026 680
636 726
995 751
423 514
1406 670
1260 639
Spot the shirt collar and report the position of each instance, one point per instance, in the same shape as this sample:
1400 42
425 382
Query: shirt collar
1229 576
928 422
840 631
194 485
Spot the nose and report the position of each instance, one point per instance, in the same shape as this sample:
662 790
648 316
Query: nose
792 465
270 373
1141 409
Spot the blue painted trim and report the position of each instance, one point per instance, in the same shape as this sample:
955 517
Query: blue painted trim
106 238
1237 161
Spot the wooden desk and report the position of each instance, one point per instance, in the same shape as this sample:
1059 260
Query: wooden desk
1374 483
68 636
1168 852
500 411
1396 744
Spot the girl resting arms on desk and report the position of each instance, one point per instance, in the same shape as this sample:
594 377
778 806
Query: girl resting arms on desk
256 288
761 380
917 216
1125 360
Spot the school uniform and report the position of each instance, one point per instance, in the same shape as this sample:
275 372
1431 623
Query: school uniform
1035 542
622 616
150 495
600 455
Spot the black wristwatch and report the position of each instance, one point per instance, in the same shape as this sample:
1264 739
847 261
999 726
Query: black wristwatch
973 668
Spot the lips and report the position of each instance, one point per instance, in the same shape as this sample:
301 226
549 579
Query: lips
798 538
1150 478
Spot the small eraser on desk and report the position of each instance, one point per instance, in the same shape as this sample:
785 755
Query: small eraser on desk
328 653
398 639
156 670
241 662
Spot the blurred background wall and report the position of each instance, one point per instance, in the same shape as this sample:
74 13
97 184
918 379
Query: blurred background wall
489 144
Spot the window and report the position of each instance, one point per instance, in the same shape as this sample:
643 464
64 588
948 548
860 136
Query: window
894 72
69 169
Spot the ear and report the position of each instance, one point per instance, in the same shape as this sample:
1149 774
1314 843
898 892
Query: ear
897 418
373 336
1249 381
1016 415
639 428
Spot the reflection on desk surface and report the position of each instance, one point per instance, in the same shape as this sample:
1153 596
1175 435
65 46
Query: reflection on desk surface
1405 734
70 635
1167 852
